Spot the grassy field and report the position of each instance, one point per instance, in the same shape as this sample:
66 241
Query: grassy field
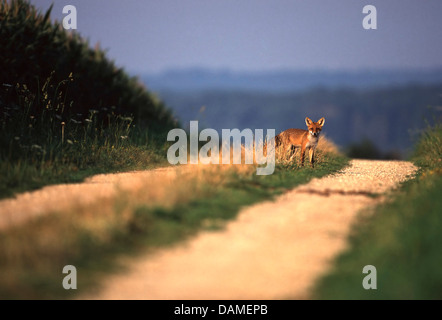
92 238
39 149
402 238
66 110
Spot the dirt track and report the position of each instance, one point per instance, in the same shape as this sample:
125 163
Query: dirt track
273 250
63 197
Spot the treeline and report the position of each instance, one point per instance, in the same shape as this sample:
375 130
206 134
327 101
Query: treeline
390 118
289 79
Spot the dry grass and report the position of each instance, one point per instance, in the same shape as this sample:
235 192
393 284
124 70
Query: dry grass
325 146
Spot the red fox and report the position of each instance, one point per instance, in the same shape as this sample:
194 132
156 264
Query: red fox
299 138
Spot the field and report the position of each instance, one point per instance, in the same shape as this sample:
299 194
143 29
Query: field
68 113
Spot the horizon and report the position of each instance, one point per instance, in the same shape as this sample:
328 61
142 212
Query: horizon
286 80
231 71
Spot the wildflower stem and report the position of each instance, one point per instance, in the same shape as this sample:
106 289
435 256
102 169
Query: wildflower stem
62 132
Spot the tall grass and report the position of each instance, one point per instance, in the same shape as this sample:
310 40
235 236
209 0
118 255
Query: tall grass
289 157
66 110
33 49
428 152
39 148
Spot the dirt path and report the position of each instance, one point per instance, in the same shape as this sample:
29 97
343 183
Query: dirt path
63 197
272 250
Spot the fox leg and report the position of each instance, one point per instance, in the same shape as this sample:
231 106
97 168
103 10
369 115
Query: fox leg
311 154
302 156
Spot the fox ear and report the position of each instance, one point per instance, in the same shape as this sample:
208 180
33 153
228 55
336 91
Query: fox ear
308 121
321 121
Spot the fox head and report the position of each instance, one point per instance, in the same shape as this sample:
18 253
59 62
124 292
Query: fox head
314 128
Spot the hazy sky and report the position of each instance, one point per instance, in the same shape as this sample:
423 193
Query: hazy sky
254 35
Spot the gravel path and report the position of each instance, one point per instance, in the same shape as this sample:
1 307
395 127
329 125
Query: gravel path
273 250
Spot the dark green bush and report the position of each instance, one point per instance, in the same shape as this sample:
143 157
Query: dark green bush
66 111
34 49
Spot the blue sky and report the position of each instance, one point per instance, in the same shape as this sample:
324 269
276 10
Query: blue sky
257 35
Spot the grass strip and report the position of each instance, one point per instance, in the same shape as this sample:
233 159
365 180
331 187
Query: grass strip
402 238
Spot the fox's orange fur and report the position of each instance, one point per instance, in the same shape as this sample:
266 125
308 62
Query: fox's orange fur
300 138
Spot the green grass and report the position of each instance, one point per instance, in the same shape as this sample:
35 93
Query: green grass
402 238
39 149
25 175
66 110
33 254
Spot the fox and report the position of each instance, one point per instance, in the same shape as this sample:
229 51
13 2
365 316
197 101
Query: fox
300 138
